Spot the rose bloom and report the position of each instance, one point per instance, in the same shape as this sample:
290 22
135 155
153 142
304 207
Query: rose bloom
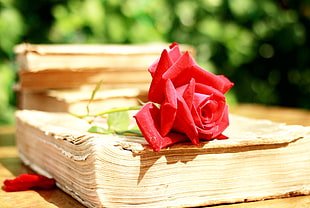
187 103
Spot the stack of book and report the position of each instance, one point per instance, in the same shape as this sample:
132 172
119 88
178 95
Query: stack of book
260 160
61 78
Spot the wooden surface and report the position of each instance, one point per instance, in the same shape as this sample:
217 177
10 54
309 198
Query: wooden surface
11 166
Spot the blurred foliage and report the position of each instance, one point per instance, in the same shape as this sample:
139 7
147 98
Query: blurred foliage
263 46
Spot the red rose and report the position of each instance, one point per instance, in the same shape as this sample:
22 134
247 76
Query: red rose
189 102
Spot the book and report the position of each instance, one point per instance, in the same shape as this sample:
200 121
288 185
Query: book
62 79
53 77
76 100
71 66
260 160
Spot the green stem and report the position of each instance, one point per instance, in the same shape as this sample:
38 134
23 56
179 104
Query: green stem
112 110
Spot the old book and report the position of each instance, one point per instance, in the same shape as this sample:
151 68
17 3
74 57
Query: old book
71 66
65 79
76 101
37 57
261 160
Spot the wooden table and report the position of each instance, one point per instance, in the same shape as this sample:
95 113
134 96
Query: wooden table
11 166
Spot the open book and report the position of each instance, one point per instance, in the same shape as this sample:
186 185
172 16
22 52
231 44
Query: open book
260 160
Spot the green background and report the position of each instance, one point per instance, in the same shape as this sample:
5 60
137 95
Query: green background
262 46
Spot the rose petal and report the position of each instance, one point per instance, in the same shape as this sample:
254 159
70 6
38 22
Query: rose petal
28 181
179 72
186 68
218 100
148 121
198 101
161 65
156 91
168 109
174 44
215 128
187 92
174 52
221 136
184 122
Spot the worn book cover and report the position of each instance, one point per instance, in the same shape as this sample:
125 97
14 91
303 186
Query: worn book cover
260 160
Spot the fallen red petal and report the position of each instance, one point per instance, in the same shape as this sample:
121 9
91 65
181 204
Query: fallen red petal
27 182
